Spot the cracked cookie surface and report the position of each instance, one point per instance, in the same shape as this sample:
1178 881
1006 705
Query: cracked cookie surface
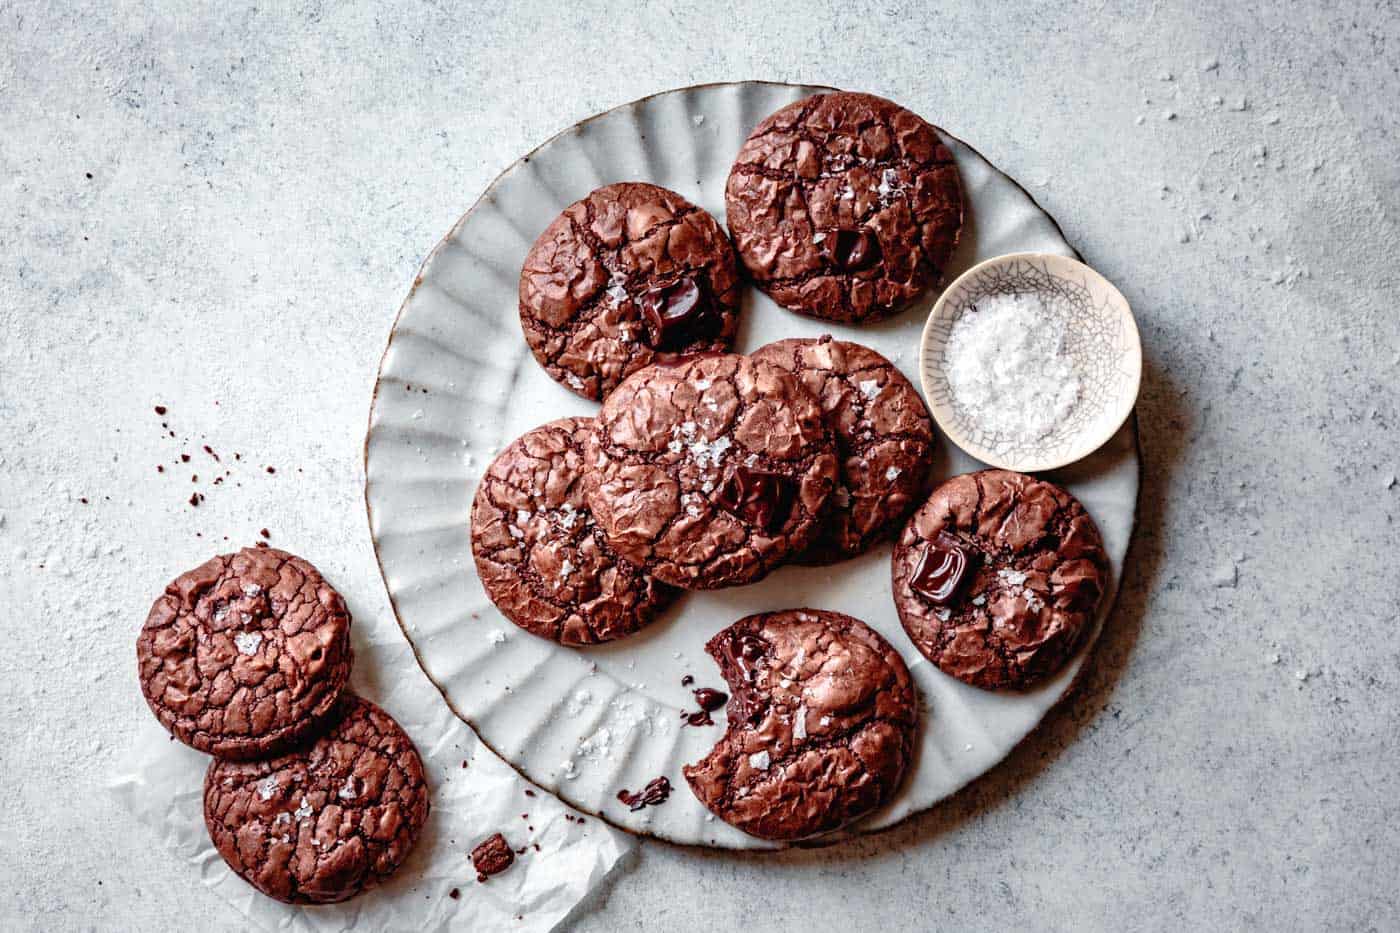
844 206
587 282
1036 573
822 716
541 557
243 656
327 821
710 471
883 434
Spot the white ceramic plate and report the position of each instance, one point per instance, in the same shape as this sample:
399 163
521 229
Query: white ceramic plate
1101 339
457 383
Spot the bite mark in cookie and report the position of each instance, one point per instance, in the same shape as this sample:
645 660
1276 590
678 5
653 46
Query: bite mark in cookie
540 556
629 275
997 578
883 434
245 655
822 717
844 206
710 471
327 821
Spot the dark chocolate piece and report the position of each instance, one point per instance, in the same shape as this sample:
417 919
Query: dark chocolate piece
492 856
653 795
943 568
851 250
676 313
760 497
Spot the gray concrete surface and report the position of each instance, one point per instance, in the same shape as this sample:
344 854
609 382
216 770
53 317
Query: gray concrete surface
217 207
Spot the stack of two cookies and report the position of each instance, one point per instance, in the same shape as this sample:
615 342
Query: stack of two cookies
314 794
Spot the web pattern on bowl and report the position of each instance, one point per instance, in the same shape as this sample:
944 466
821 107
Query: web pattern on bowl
1096 339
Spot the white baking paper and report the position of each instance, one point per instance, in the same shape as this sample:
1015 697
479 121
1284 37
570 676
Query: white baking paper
161 782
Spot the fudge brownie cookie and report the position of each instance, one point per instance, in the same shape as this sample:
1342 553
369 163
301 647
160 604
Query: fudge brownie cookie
844 206
710 471
631 274
821 724
883 436
998 576
327 821
244 655
541 558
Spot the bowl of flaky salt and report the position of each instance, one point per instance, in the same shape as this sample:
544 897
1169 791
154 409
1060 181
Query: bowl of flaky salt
1030 361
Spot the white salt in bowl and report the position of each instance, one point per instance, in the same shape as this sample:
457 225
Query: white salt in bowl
1101 340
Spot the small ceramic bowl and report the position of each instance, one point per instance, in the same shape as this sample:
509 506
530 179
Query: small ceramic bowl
1101 338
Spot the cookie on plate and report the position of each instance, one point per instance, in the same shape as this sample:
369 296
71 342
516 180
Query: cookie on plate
844 206
243 656
710 471
883 435
541 558
629 275
822 715
327 821
997 578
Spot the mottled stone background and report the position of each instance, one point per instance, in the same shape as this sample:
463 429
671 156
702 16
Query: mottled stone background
217 208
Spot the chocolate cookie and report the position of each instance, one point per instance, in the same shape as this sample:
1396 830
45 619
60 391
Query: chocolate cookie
630 275
541 558
711 471
327 821
821 724
844 206
883 436
243 656
998 576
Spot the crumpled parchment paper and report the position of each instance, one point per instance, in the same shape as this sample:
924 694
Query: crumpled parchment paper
161 782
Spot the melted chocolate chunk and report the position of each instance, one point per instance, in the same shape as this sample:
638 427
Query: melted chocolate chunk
710 699
851 250
654 794
943 569
492 857
676 313
744 652
758 497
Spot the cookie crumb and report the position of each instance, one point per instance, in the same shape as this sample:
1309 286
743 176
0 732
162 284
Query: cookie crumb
492 856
